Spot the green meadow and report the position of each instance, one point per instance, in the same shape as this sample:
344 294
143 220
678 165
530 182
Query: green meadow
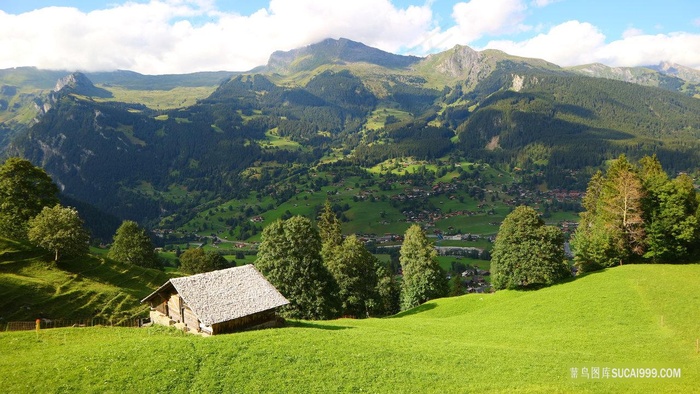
178 97
32 286
509 341
368 207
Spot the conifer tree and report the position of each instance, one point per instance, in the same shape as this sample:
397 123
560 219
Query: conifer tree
620 205
612 229
330 231
592 241
388 293
423 278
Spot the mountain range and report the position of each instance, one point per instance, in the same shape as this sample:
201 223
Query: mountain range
153 148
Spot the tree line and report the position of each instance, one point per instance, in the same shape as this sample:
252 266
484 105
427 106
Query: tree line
326 276
632 214
637 213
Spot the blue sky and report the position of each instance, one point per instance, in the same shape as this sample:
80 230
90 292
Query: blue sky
177 36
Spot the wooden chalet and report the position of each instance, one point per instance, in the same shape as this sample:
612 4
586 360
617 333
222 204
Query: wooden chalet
216 302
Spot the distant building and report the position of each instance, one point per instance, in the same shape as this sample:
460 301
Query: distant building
217 302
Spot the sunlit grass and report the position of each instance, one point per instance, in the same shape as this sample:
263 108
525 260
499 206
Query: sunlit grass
510 341
179 97
33 286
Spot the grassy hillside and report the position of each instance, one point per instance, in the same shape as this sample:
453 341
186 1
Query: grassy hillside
32 287
178 97
641 316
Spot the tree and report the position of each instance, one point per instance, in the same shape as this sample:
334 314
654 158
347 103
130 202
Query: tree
133 245
526 252
197 261
289 257
593 247
674 222
455 285
612 227
620 205
591 241
60 230
388 293
24 191
355 271
330 231
423 279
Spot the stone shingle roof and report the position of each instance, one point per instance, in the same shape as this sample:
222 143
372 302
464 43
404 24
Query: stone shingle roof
227 294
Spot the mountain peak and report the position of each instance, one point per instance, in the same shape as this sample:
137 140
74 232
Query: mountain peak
74 81
79 83
677 70
456 62
334 51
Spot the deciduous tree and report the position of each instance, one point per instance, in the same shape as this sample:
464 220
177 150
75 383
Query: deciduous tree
674 225
60 230
24 191
526 252
355 271
290 258
133 245
197 261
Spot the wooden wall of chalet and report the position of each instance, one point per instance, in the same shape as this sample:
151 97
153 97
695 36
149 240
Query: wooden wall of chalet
174 308
191 320
244 322
160 305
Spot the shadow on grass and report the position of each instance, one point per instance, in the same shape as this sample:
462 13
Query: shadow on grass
414 311
319 326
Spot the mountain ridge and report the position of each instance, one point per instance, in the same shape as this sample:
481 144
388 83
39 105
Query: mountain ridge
332 51
257 133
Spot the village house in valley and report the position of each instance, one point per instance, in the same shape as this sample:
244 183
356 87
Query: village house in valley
217 302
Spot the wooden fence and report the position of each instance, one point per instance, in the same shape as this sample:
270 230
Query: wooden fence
46 323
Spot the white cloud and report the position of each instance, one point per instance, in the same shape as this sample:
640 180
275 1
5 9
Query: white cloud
632 32
543 3
574 43
569 43
479 18
157 37
680 48
177 36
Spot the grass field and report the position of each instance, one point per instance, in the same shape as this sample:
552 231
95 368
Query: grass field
509 341
160 99
32 286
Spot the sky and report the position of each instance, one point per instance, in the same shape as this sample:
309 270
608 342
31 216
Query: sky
183 36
